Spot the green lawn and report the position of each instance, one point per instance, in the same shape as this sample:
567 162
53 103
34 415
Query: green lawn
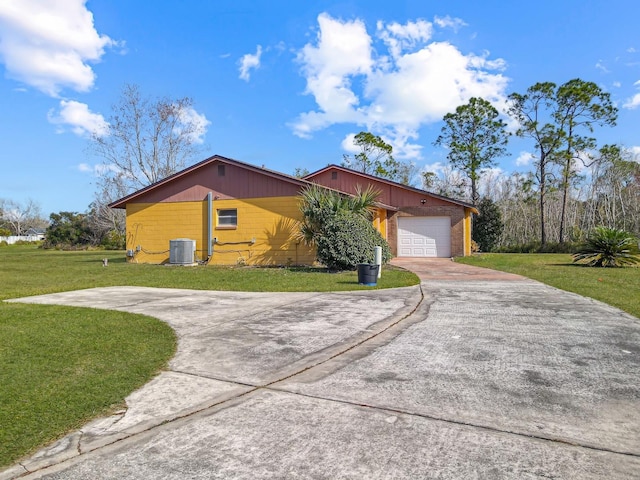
619 287
34 272
61 366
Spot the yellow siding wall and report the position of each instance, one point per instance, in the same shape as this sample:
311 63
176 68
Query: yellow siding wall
150 226
380 221
467 232
265 234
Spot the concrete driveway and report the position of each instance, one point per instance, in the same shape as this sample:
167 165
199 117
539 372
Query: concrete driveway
466 376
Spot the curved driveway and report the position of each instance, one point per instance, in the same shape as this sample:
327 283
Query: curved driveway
472 375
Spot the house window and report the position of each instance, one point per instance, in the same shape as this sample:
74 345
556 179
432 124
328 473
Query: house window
221 171
227 218
334 175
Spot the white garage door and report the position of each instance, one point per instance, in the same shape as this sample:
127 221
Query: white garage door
424 236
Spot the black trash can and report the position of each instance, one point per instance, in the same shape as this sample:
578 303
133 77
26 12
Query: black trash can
368 274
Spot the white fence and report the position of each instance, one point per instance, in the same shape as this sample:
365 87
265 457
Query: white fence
25 238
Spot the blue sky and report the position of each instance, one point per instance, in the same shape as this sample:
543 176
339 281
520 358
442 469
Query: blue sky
285 83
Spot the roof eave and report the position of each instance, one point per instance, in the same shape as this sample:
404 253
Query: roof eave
122 202
391 182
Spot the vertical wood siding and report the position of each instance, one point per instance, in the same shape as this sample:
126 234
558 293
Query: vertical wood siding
237 182
396 196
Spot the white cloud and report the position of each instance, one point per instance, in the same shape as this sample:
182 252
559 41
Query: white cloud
342 50
616 84
631 50
49 44
634 153
198 123
583 158
97 170
416 84
79 119
449 22
492 172
524 159
601 66
426 85
249 62
436 167
399 38
634 101
348 145
400 138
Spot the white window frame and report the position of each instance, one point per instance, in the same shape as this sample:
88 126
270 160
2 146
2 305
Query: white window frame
227 218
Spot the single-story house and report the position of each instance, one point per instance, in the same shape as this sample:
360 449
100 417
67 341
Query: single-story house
238 213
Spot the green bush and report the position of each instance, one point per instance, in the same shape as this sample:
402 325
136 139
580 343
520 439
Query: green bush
67 229
113 240
487 225
347 240
609 247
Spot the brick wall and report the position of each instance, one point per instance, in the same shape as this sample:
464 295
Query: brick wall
455 212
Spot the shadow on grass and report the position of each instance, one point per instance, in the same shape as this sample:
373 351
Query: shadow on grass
362 287
567 265
116 261
584 265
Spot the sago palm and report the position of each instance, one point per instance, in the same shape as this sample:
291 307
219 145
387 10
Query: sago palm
320 204
609 247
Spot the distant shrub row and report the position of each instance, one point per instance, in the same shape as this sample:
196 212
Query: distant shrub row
537 247
4 243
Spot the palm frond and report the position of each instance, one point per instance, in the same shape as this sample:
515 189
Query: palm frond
609 247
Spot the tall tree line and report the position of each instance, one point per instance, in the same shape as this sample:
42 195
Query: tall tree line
574 184
606 193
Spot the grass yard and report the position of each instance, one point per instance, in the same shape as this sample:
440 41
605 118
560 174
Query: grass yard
619 287
33 272
62 366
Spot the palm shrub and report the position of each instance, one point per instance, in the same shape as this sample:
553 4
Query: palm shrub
609 247
320 204
340 227
347 240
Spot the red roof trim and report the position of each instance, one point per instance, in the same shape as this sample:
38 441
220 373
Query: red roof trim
303 182
121 203
390 182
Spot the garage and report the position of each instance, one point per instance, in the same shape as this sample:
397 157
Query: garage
424 237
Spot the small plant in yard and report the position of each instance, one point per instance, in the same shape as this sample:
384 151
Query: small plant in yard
609 247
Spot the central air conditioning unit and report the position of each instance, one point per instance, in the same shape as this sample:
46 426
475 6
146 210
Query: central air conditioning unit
182 251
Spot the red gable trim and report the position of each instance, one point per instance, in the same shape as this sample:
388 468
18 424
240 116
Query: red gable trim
121 203
389 182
